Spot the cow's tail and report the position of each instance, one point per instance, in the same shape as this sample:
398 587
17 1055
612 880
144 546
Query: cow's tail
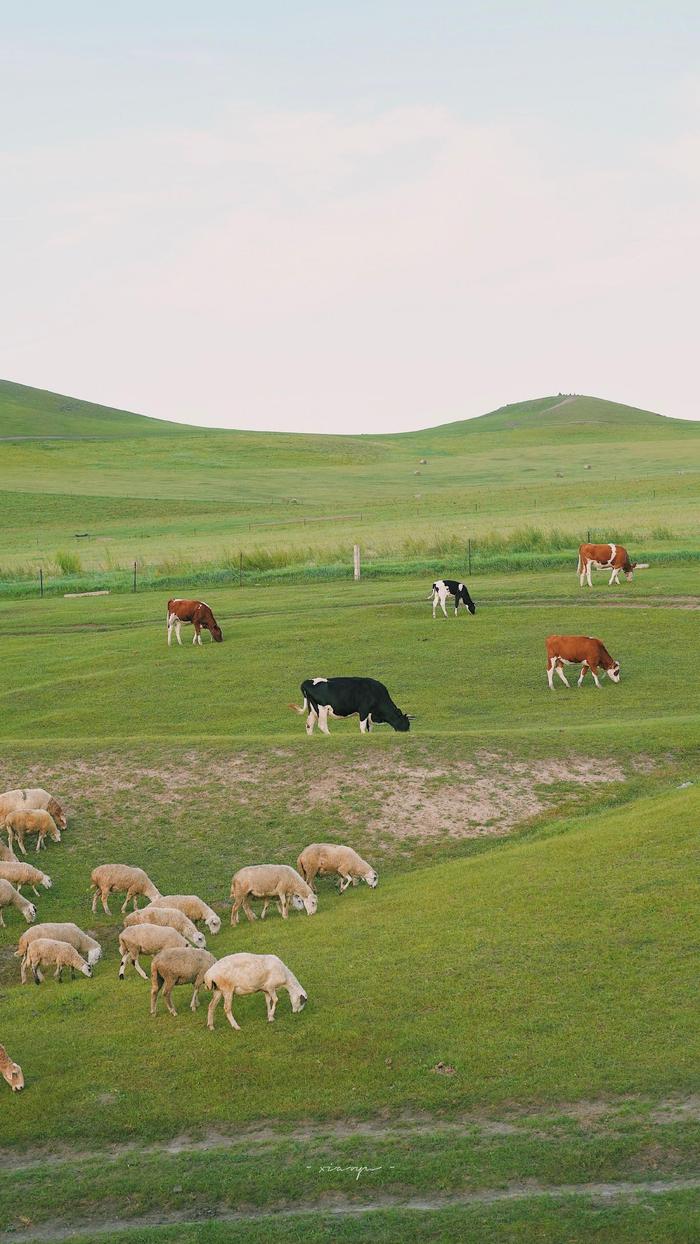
432 593
304 708
579 569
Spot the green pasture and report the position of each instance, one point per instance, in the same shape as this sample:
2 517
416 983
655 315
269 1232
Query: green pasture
503 1035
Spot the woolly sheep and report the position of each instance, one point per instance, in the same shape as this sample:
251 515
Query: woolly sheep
178 967
23 874
47 952
193 907
9 897
245 973
34 797
12 1072
327 857
167 917
38 822
146 939
115 879
80 941
270 881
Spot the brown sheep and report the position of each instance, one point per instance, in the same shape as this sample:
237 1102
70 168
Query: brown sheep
115 879
38 822
178 966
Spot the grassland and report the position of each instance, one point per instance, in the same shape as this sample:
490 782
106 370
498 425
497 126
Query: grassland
503 1035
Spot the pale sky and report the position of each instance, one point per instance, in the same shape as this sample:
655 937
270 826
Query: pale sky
364 216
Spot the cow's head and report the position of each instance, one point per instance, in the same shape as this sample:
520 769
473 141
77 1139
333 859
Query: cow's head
215 632
614 671
402 723
471 606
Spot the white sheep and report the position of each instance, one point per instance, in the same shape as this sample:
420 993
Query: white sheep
321 858
80 941
146 939
47 952
21 874
193 907
245 973
32 798
176 966
115 879
270 882
10 1071
167 917
19 824
9 897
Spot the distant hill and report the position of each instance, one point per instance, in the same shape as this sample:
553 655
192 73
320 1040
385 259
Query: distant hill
25 411
38 413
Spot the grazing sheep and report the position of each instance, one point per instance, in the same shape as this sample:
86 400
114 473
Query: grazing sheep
23 874
9 897
146 939
167 917
34 798
46 952
12 1072
38 822
178 967
115 879
327 857
270 881
244 973
80 941
7 855
192 907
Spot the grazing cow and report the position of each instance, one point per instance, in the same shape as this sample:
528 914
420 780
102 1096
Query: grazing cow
198 613
442 588
606 557
343 697
591 654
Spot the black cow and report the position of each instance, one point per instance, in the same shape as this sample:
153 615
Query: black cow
442 588
343 697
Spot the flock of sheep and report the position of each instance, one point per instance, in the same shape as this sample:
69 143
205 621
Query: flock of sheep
166 930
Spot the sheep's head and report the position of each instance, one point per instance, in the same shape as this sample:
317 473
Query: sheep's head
94 955
30 913
55 834
86 969
199 940
214 924
298 1000
372 878
310 903
297 902
46 881
56 811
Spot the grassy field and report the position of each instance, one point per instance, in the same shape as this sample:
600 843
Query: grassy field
501 1041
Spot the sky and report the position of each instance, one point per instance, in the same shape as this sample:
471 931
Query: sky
350 217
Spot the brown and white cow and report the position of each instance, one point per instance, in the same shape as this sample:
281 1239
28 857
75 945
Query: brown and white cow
611 557
198 613
591 654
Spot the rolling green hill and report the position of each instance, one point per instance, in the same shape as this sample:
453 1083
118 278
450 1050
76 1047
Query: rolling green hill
106 488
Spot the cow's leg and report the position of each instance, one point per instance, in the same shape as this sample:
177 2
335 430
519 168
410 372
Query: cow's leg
588 573
550 675
582 675
178 627
562 675
594 672
195 637
435 601
443 598
311 721
323 718
582 575
170 629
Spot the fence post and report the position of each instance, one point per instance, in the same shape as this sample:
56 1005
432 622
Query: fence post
41 582
469 556
240 569
356 561
134 576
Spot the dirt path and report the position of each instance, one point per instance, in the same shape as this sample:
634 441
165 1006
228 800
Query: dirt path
600 1192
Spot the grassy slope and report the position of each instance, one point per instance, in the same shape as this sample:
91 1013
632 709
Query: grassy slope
238 490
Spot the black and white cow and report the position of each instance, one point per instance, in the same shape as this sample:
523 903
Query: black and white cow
442 588
344 697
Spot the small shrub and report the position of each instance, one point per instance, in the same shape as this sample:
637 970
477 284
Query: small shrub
68 563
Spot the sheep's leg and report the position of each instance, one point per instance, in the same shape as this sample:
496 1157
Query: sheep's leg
156 986
168 996
216 999
104 894
126 958
266 904
20 843
248 910
38 977
34 891
284 906
194 1004
23 970
39 841
138 967
58 973
234 911
228 1000
2 922
271 1004
344 883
